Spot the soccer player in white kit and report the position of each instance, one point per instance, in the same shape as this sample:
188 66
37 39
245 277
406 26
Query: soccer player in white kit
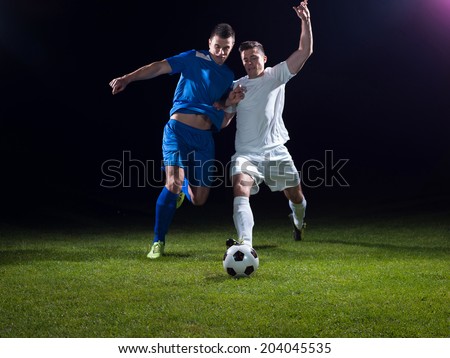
261 155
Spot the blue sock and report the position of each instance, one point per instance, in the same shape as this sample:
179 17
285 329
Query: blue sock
166 205
185 189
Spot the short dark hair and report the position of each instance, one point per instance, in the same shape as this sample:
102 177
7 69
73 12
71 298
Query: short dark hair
247 45
223 30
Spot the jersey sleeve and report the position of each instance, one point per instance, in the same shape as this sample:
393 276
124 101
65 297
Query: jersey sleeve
179 62
281 72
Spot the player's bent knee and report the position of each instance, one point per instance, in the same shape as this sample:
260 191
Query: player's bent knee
174 185
241 190
199 196
176 189
197 202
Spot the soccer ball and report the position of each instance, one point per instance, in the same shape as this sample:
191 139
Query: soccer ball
240 261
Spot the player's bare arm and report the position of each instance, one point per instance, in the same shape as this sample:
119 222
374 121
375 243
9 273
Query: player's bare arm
298 58
146 72
234 97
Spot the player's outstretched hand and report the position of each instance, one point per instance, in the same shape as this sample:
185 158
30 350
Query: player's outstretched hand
118 84
302 10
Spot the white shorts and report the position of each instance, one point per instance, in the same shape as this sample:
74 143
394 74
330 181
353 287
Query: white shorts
275 168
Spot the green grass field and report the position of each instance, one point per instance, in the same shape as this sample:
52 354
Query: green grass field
385 276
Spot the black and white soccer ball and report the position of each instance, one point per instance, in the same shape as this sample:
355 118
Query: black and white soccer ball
240 261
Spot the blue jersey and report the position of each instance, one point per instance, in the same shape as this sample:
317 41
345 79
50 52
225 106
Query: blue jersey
202 82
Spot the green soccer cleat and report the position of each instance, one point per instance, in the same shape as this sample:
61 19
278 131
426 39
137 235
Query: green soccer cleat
157 250
180 199
298 234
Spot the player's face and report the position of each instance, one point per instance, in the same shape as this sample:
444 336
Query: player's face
220 48
253 60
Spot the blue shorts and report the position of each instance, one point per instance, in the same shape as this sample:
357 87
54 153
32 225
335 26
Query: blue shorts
191 149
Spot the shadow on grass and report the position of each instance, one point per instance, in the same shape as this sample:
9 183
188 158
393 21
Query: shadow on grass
20 257
16 257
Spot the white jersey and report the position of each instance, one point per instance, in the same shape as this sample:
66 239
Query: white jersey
259 121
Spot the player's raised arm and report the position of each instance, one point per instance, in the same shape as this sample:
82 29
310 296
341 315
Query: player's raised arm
298 58
146 72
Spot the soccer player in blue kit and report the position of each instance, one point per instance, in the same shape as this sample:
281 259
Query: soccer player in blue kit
188 143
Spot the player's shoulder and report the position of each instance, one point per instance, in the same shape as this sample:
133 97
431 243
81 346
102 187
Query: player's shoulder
193 57
281 66
279 72
190 52
199 55
182 55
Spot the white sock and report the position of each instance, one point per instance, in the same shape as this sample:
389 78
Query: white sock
299 212
243 219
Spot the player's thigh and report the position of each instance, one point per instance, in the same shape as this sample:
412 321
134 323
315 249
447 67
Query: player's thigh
246 175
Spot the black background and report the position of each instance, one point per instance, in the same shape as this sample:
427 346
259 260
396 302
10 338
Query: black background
376 91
